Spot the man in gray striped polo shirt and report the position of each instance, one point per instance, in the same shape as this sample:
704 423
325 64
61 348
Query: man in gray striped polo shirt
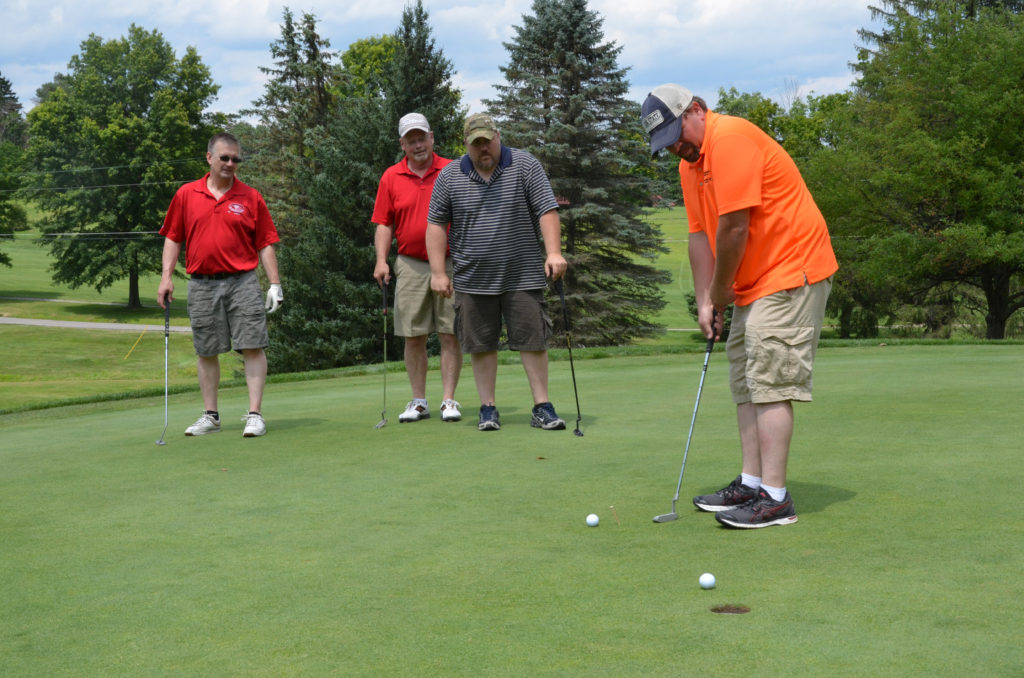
495 210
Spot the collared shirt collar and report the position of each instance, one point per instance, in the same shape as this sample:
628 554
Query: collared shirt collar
435 165
466 165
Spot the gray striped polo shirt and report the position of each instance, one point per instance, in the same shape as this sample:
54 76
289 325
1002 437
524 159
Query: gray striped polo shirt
494 236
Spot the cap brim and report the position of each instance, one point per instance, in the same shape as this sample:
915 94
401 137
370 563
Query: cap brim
415 128
666 135
480 134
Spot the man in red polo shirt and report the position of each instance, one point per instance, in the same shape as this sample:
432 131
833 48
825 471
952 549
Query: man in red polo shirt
757 240
400 213
227 232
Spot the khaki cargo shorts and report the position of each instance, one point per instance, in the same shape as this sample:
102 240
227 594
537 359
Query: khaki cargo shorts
420 311
772 343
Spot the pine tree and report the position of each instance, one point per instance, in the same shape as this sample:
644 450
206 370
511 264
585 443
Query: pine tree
419 79
334 316
12 137
12 141
298 99
564 101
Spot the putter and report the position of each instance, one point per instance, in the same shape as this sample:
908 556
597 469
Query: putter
669 517
572 368
167 333
384 297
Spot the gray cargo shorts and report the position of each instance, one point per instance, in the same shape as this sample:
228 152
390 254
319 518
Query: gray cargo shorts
227 313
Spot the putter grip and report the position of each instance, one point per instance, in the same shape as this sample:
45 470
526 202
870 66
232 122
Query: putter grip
711 341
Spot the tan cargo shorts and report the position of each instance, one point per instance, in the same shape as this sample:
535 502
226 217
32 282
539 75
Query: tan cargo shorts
772 344
420 311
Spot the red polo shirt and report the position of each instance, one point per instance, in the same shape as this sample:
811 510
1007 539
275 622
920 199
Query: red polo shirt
403 199
220 236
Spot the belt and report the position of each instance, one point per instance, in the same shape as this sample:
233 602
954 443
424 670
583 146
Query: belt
216 276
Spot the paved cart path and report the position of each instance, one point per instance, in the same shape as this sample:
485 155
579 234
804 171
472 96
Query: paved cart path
71 324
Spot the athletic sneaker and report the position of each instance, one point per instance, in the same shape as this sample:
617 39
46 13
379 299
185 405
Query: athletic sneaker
254 425
450 410
544 417
734 495
204 424
761 512
490 420
416 409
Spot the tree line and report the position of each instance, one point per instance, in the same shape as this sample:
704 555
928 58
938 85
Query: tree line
917 167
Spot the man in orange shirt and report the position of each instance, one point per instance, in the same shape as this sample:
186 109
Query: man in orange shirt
757 240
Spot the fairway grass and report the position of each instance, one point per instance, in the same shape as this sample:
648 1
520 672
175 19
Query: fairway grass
330 548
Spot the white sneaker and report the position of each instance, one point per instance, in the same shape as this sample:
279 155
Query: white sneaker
450 410
254 425
416 409
204 424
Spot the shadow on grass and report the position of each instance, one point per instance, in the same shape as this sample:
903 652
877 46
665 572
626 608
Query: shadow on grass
815 497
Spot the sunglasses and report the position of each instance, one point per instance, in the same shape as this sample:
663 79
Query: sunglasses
233 158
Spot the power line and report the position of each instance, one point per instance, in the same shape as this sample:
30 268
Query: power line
108 167
42 189
89 235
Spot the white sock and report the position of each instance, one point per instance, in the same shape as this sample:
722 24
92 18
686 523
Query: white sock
776 493
750 481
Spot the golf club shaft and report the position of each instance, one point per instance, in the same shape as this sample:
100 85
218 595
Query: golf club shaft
693 419
384 365
167 335
568 343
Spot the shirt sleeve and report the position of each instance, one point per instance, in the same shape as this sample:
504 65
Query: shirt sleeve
383 206
266 232
174 221
440 211
539 193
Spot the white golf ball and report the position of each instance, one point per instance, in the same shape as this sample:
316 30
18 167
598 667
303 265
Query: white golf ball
707 581
593 520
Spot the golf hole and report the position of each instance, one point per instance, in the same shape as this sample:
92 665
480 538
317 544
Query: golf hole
730 609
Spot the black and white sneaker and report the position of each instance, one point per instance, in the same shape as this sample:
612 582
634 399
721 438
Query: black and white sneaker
544 417
734 495
762 512
490 420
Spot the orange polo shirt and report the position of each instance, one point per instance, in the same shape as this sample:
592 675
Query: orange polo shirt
741 167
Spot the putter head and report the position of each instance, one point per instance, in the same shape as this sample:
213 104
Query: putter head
578 432
161 442
666 517
380 424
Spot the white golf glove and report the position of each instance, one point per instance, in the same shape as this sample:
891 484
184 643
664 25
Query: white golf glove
274 298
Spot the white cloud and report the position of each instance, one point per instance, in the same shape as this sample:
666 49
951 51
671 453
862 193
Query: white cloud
754 45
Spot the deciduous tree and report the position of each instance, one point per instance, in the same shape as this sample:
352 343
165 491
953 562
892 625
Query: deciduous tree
112 139
931 176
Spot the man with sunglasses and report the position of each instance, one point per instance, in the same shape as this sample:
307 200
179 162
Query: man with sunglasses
227 232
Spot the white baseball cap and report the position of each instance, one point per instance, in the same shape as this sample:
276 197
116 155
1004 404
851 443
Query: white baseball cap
412 121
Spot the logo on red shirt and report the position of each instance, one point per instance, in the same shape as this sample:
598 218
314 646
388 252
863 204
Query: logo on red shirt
236 208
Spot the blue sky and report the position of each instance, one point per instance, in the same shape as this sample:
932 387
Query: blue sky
776 47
